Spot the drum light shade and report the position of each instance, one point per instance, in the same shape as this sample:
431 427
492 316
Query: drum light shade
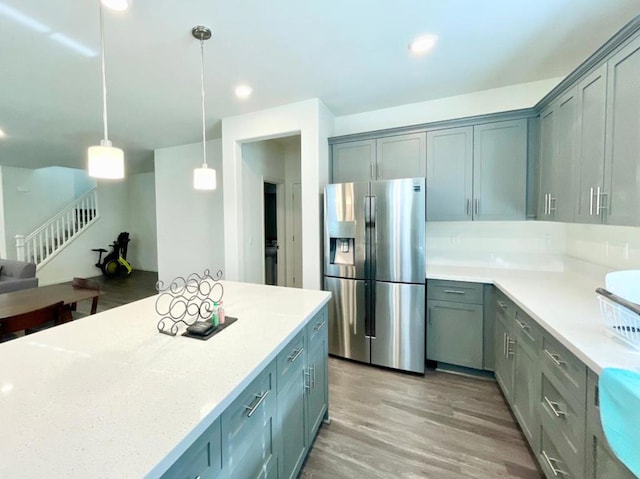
204 178
105 161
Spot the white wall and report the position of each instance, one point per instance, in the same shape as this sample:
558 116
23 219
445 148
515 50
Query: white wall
513 97
77 259
31 197
263 161
315 124
190 223
143 247
3 237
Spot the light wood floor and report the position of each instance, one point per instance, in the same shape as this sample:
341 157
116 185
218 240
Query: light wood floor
386 424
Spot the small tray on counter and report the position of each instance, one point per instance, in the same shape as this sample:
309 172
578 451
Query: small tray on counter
229 320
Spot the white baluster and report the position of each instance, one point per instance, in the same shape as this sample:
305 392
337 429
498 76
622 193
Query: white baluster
20 247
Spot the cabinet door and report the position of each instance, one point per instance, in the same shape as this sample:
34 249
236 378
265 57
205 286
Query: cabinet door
589 165
503 366
454 333
622 167
562 200
500 171
293 432
449 174
548 154
402 156
354 161
316 384
526 388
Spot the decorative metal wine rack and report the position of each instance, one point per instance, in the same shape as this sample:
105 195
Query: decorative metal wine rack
187 300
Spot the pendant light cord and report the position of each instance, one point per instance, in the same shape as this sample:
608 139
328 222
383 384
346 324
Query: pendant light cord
204 143
104 78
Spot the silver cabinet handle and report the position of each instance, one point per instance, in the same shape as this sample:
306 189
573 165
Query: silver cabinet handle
318 326
307 375
258 400
477 206
554 406
468 209
591 201
504 344
598 201
313 376
557 360
552 204
295 354
509 343
453 291
502 304
547 204
556 472
524 326
371 171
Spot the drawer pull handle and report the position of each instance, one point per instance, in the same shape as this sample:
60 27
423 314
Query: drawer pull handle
554 407
307 375
312 370
295 354
550 460
318 326
453 291
510 341
555 358
502 304
523 325
258 400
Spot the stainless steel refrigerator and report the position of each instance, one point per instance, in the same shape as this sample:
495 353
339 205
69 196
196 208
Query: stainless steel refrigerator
374 266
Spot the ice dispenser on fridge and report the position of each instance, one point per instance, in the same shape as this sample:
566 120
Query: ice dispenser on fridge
342 243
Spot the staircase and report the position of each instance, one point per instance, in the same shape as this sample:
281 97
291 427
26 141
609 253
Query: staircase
43 244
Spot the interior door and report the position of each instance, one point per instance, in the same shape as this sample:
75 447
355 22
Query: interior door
398 338
347 319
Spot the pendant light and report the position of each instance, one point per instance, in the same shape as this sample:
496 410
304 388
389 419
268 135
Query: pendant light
105 161
203 178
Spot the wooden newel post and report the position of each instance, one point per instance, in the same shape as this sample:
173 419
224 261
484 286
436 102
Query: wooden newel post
20 247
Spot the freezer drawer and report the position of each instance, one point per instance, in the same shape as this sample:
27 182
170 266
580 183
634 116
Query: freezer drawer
347 319
399 334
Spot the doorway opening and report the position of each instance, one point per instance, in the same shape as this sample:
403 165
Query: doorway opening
270 234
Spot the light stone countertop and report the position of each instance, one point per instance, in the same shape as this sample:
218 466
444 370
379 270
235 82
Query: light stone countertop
564 303
109 396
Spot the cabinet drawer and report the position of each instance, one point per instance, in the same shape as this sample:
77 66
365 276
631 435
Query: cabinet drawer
504 306
202 459
317 328
247 427
527 331
291 359
552 462
457 291
569 372
563 418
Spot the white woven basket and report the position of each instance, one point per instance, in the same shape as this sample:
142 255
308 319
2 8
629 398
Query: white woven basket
622 321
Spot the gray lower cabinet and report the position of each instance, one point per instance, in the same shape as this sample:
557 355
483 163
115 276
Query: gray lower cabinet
203 459
268 429
504 350
601 461
455 323
526 375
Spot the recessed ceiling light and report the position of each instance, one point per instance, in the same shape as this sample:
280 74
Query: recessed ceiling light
422 44
2 134
243 91
118 5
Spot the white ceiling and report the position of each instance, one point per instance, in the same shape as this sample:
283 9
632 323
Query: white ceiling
351 54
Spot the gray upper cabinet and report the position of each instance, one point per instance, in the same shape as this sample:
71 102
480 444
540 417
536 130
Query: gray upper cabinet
557 155
477 172
589 169
500 170
353 161
386 158
449 174
622 166
401 156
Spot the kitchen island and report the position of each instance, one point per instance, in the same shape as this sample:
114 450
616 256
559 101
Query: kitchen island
109 396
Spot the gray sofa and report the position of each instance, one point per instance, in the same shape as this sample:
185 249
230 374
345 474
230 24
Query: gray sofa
17 275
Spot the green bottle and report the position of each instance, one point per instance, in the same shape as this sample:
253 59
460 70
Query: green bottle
214 315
